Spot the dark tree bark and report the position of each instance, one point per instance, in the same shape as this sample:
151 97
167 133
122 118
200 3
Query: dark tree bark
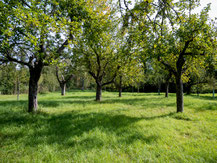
35 74
167 84
159 88
98 92
120 87
179 94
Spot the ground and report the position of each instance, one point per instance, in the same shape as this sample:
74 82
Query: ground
139 127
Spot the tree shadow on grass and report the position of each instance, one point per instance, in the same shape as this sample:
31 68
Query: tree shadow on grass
77 97
207 106
133 101
64 129
86 100
204 97
14 104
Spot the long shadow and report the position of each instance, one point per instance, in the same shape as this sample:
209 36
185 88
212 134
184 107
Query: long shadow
204 97
14 103
77 97
86 100
62 128
133 101
208 106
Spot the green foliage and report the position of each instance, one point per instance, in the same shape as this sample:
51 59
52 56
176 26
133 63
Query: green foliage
48 81
11 76
135 128
97 48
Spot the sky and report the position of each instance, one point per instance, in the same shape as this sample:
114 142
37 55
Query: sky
213 11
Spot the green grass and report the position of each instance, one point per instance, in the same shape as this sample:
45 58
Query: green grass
135 128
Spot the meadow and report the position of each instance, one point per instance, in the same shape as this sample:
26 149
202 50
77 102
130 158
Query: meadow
138 127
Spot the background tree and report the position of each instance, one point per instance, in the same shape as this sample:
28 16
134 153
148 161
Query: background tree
64 73
98 46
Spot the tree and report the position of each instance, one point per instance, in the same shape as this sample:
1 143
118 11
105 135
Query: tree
130 73
35 33
189 43
64 74
98 46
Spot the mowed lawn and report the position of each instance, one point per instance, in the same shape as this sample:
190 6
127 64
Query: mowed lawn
139 127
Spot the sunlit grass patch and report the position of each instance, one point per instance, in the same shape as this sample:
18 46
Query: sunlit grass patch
139 127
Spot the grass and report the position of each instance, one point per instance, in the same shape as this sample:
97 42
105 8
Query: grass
135 128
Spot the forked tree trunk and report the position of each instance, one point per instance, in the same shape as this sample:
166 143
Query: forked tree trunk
98 92
35 74
179 94
120 87
63 89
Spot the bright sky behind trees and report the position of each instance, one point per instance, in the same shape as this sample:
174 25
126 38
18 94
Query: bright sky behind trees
212 12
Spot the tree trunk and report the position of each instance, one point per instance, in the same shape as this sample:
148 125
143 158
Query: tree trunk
120 87
98 92
198 93
159 88
63 89
35 74
188 89
179 94
213 93
82 85
167 89
18 89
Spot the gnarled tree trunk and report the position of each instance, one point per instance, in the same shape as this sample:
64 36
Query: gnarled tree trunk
35 74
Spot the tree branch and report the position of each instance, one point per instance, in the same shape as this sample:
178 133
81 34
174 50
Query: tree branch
170 68
62 47
113 78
